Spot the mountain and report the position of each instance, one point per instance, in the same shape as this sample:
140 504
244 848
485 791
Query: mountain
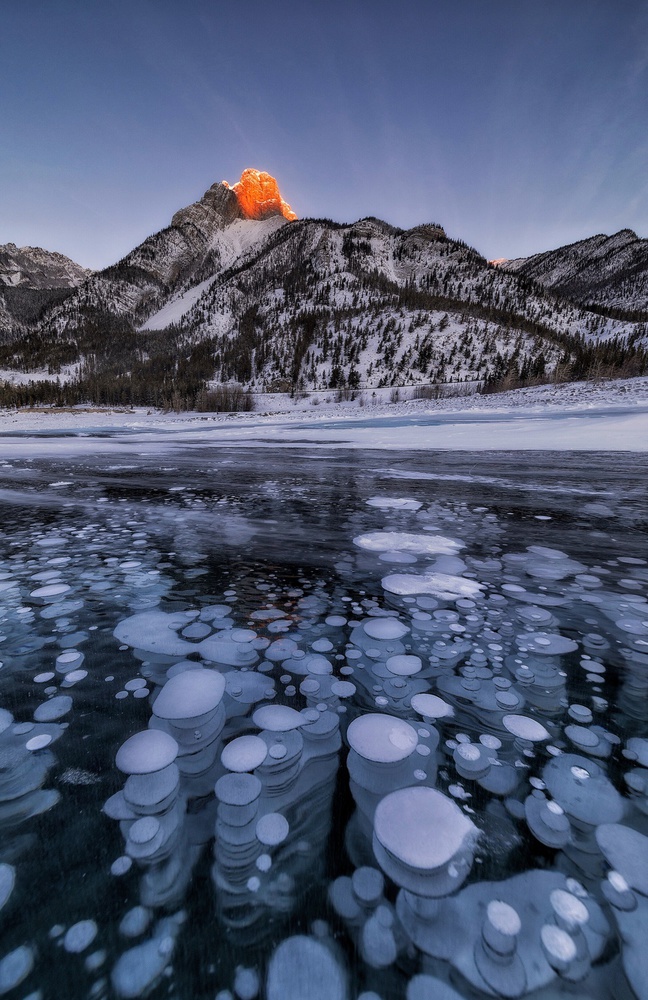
202 240
236 287
607 272
32 279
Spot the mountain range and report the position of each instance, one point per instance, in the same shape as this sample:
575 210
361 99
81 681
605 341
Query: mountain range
237 288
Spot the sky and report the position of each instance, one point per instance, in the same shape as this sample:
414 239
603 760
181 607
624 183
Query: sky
519 125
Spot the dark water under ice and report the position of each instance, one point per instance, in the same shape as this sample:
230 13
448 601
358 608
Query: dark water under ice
267 530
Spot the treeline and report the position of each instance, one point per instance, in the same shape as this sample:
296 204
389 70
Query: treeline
610 359
230 398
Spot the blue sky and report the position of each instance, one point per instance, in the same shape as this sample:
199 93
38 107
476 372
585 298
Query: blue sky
519 125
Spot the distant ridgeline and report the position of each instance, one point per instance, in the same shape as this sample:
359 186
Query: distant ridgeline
238 290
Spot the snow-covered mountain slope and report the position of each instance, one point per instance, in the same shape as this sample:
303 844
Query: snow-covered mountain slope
31 279
227 246
606 271
382 305
237 288
201 241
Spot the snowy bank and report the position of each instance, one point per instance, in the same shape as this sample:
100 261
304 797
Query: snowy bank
605 416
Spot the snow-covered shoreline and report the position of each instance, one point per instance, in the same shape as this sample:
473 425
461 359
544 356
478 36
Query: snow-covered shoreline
606 415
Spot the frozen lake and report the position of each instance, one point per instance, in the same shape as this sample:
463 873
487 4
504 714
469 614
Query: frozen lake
312 724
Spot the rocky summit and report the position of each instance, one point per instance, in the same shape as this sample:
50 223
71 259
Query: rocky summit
258 196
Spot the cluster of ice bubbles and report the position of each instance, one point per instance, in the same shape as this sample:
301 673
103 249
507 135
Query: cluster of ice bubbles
448 701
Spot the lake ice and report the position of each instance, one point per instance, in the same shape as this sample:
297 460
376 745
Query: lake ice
242 755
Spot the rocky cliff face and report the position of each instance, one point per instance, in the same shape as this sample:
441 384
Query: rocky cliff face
33 267
606 271
31 279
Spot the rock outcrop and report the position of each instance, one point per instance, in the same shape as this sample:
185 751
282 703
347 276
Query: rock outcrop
259 198
33 267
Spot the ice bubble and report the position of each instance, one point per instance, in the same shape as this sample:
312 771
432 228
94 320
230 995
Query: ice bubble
638 747
146 752
580 713
50 593
377 942
80 936
197 630
272 829
545 644
144 830
421 827
381 738
525 728
135 684
15 967
430 706
404 665
368 885
503 918
246 983
424 987
54 709
558 946
69 660
38 742
441 585
7 882
244 753
304 967
277 718
322 646
395 503
401 541
626 850
121 865
238 789
146 790
135 922
139 968
190 695
281 649
264 862
570 911
44 678
154 632
582 789
385 628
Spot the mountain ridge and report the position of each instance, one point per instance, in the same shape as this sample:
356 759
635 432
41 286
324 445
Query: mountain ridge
219 294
